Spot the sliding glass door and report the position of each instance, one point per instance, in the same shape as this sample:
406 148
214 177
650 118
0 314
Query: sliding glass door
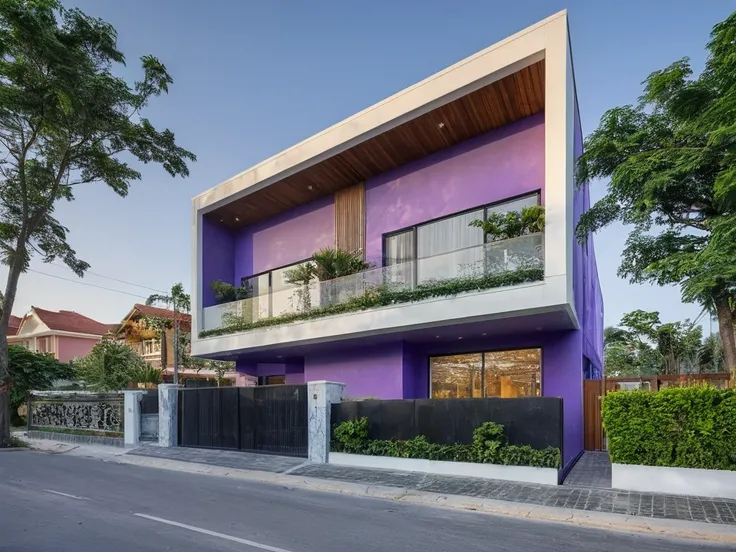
504 374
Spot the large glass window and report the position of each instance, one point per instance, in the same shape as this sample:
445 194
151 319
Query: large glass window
446 248
399 253
272 295
505 374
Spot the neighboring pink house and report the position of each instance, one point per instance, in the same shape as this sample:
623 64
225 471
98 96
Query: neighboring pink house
66 334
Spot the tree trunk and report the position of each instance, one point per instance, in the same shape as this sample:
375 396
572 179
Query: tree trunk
726 331
176 349
11 288
164 350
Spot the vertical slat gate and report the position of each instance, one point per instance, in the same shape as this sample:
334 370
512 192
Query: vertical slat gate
271 419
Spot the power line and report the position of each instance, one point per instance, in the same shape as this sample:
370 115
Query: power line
85 283
113 279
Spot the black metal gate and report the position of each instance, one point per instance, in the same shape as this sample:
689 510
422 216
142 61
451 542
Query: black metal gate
270 419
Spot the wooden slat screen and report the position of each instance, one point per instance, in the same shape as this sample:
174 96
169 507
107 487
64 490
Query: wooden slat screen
350 218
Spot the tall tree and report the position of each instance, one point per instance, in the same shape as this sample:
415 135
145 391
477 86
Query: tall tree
670 162
65 121
180 302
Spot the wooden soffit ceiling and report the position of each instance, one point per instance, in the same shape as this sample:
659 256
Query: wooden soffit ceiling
514 97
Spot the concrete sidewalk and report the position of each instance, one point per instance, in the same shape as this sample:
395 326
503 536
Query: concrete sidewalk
674 516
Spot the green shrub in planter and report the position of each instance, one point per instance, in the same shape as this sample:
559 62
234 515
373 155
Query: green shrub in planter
690 427
489 447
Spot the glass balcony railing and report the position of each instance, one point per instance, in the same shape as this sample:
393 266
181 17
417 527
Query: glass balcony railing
524 254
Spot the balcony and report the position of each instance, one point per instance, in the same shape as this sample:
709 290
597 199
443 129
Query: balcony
478 268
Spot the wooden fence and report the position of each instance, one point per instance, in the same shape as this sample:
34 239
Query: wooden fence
594 390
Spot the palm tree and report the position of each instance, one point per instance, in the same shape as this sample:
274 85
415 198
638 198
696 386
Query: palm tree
180 302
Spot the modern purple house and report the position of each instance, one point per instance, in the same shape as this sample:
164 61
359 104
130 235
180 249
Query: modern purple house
442 309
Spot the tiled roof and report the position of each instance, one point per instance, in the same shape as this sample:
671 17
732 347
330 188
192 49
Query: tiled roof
70 321
14 324
147 310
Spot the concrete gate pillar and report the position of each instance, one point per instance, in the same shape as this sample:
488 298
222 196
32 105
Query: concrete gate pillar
132 417
322 394
168 413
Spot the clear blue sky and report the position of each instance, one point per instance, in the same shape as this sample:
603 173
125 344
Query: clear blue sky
253 78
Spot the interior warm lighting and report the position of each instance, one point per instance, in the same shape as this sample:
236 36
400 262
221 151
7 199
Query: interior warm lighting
441 125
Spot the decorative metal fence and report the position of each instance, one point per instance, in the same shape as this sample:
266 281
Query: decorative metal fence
271 419
76 412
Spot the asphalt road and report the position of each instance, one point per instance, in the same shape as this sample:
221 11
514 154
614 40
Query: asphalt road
50 503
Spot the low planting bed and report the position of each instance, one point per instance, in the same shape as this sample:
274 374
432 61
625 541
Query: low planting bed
677 441
489 456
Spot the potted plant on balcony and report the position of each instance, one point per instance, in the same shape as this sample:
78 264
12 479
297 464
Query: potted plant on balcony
508 226
331 264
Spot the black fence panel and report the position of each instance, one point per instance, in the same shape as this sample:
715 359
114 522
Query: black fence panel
209 418
279 419
269 419
149 402
534 421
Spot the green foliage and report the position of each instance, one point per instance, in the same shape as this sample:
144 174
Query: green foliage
489 447
689 427
670 162
227 293
110 366
514 224
385 295
30 371
352 435
335 263
146 374
643 346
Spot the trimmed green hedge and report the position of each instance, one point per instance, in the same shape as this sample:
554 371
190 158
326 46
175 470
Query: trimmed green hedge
384 295
689 427
489 447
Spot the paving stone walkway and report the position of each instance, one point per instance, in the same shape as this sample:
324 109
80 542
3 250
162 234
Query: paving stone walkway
593 469
684 508
224 458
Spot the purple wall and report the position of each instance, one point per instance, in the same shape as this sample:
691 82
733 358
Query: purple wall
366 372
501 164
588 296
288 238
217 258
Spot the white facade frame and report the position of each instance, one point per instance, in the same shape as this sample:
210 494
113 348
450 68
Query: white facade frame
546 40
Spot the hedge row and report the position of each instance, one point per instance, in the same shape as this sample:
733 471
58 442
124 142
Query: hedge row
689 427
489 447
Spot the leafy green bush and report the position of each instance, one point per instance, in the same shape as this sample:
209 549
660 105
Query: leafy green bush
382 296
688 427
30 371
109 366
489 447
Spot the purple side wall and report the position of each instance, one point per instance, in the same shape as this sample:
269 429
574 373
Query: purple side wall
217 258
288 238
588 296
366 372
503 163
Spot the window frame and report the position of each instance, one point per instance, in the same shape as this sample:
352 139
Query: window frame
270 272
414 227
482 353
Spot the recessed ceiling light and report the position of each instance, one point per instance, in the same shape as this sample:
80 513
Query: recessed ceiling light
459 337
539 328
437 336
222 220
237 219
309 187
484 334
279 356
441 125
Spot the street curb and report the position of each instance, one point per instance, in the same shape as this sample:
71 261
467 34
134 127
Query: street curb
600 520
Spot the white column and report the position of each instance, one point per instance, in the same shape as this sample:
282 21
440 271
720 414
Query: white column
168 412
132 417
322 394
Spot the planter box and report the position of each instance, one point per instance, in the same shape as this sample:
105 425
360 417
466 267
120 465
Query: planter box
544 476
686 481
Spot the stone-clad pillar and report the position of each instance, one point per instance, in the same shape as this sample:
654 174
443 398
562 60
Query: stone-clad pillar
132 417
168 412
322 394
